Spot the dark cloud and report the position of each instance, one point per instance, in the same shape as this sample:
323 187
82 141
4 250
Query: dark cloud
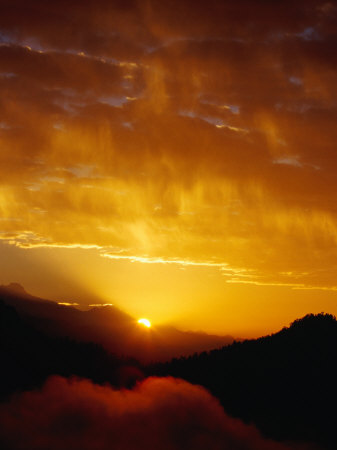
162 413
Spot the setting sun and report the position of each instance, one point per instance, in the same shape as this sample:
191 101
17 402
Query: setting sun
145 322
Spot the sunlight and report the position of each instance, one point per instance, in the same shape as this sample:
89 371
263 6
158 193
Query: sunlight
145 322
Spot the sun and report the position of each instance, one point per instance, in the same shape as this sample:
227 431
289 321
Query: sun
145 322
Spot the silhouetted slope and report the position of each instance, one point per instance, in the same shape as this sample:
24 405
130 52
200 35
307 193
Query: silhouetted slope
285 383
29 356
117 331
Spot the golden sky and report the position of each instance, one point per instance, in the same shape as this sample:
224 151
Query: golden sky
175 157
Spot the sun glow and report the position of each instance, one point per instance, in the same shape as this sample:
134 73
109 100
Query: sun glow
145 322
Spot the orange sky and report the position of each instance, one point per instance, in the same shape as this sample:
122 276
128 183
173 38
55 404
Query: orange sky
177 158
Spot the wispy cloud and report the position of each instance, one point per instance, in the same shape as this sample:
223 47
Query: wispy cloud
229 128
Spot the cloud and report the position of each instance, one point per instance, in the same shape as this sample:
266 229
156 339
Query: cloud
203 125
161 413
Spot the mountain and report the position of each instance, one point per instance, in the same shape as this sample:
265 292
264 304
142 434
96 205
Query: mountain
284 383
108 326
28 356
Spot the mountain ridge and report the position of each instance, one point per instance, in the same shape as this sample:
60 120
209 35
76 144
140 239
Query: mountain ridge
113 328
284 383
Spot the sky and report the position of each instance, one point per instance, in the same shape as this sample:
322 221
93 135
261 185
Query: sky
176 158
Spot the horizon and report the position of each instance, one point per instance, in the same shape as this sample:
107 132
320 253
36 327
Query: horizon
248 321
16 289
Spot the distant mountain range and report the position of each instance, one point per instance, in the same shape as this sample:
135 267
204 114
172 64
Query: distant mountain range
108 326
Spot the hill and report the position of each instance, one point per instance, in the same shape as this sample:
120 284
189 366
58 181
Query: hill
284 383
29 356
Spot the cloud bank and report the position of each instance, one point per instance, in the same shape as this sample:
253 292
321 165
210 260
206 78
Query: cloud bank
159 413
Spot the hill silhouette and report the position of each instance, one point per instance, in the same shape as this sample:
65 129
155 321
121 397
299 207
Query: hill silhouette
29 356
284 383
109 326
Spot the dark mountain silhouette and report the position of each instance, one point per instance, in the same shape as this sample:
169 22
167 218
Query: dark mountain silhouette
108 326
285 383
29 356
15 288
